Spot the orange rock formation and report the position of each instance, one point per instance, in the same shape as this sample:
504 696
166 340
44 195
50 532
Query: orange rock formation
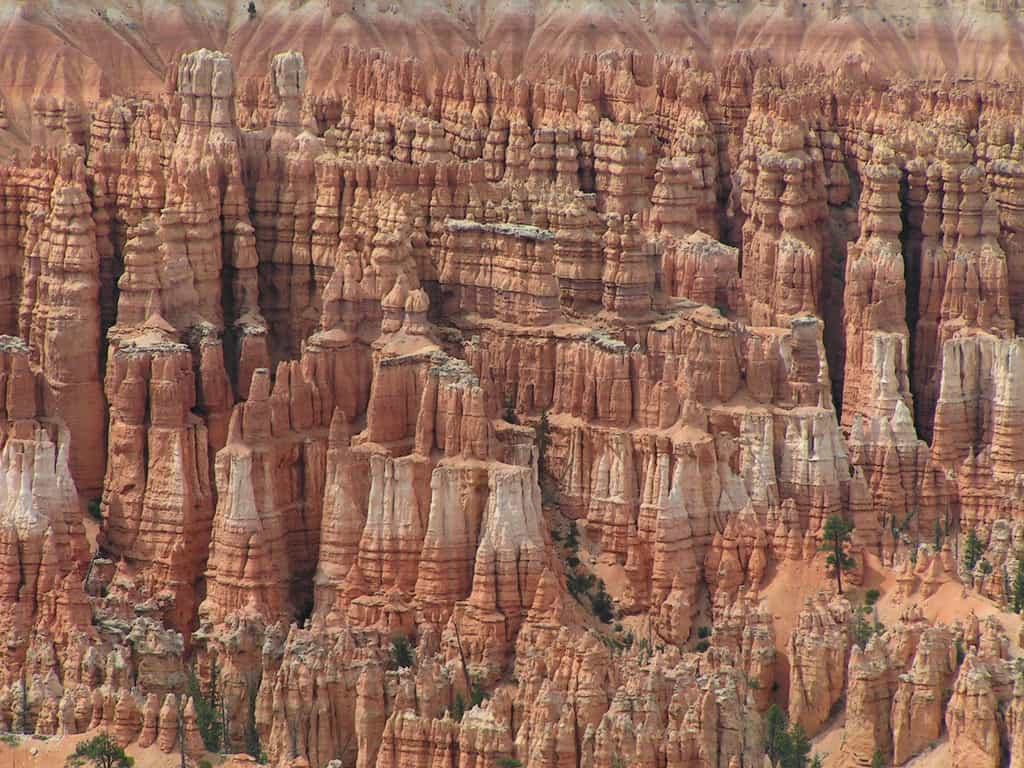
438 407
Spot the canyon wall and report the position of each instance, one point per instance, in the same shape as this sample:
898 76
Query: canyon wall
423 411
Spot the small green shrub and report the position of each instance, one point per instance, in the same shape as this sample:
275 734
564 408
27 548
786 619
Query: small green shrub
601 602
543 433
510 411
774 732
1017 594
572 538
702 645
458 708
208 708
477 694
835 536
973 549
871 596
401 652
703 632
863 628
100 752
579 583
252 734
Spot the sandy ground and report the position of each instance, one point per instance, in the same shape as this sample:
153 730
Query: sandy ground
52 752
952 601
936 758
829 745
785 594
33 752
791 584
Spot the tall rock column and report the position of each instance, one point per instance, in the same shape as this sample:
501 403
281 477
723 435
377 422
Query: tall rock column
206 232
877 339
972 716
784 200
818 658
964 281
248 569
1008 183
62 313
158 499
510 558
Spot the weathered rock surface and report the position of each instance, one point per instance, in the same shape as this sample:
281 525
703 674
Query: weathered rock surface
454 409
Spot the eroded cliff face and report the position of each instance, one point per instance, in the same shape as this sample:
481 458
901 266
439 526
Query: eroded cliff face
450 417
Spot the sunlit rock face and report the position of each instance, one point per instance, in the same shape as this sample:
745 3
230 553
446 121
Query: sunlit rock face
439 393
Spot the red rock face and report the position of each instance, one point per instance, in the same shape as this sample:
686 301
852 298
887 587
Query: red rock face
452 410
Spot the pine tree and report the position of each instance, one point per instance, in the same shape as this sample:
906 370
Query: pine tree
877 760
510 410
208 708
796 748
774 731
458 708
837 534
100 752
24 725
543 437
401 653
973 550
1018 587
252 734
